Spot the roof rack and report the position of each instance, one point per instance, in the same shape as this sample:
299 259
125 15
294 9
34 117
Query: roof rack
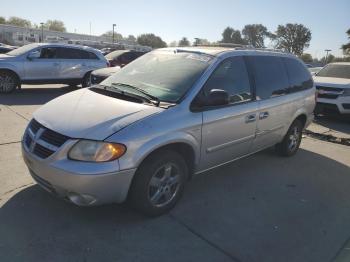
244 47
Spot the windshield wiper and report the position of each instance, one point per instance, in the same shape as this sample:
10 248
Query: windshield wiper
153 99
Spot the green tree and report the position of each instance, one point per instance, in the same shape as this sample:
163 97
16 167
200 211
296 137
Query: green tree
346 47
2 20
329 59
200 41
117 36
307 58
230 35
17 21
55 25
255 35
151 40
131 38
184 42
293 38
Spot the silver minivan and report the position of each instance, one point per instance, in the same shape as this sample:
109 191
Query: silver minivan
42 63
172 113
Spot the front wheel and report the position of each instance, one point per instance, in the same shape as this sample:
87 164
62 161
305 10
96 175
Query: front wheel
291 142
159 183
86 82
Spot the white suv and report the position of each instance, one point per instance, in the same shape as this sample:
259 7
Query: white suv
48 64
333 88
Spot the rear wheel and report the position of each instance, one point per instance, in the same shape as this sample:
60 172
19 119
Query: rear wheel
86 80
159 183
291 142
8 82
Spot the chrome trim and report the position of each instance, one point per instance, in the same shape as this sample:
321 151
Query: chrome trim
230 143
264 132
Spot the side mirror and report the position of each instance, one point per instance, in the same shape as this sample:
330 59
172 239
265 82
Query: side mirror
217 97
33 55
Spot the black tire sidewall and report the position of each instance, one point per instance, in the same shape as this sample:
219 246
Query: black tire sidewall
283 148
139 189
15 80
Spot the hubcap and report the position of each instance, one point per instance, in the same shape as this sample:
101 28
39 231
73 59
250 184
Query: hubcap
294 138
164 185
7 83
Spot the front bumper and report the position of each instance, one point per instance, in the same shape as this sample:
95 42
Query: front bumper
87 185
340 105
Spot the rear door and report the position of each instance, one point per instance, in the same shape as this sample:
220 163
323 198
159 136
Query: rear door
74 63
228 132
45 67
275 108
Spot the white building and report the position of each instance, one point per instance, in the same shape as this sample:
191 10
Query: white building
18 36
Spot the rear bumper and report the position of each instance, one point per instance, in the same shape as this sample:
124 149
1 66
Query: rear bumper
81 189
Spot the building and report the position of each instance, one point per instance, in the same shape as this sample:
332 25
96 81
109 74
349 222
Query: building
18 36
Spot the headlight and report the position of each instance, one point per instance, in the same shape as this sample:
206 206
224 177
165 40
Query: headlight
346 92
96 151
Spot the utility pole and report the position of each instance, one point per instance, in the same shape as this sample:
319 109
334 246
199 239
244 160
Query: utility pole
42 32
327 51
113 33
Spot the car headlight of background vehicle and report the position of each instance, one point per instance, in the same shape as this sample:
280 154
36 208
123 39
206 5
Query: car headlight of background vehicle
346 92
96 151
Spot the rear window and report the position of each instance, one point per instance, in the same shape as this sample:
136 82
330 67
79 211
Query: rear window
73 53
271 78
299 77
335 70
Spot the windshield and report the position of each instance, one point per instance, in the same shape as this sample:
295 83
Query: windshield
22 50
164 74
334 70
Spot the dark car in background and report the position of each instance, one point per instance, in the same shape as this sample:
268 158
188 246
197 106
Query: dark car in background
97 76
122 57
6 48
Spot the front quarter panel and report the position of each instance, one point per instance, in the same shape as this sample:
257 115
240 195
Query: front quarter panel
174 125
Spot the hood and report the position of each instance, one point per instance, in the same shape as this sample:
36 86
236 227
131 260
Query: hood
332 81
108 71
87 114
6 57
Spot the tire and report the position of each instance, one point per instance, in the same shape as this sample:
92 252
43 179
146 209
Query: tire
291 141
158 183
86 82
8 82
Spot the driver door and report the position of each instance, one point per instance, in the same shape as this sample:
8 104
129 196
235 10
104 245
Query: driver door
228 131
42 64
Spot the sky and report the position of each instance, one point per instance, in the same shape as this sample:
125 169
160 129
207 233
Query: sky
172 20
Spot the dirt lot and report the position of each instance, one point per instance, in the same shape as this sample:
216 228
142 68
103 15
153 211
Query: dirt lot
262 208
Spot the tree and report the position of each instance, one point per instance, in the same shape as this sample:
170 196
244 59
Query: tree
328 59
55 25
151 40
307 58
255 35
293 38
2 20
17 21
230 35
184 42
131 38
346 47
200 41
117 36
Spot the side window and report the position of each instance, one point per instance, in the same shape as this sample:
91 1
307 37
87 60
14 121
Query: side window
232 76
72 53
48 53
299 78
271 78
92 55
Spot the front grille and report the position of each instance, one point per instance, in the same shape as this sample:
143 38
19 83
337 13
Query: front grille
42 141
346 106
329 92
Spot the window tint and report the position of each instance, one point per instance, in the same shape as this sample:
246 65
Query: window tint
92 55
271 78
299 77
231 76
48 53
72 53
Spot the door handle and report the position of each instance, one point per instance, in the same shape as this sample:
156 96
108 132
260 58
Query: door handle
250 118
263 115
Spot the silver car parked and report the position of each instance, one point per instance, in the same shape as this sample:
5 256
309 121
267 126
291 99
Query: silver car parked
48 64
174 112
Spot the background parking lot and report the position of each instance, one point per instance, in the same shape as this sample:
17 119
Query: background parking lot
262 208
